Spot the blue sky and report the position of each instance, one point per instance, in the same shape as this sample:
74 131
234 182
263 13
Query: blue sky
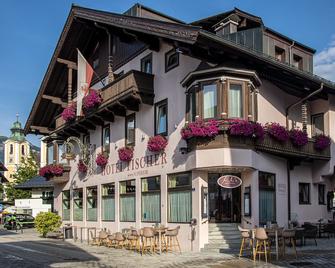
29 31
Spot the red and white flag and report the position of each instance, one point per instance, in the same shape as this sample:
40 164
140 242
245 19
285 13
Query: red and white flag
84 78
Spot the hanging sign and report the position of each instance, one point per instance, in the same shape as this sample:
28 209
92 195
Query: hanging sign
229 181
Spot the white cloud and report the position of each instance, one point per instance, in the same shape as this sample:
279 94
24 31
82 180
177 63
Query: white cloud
324 61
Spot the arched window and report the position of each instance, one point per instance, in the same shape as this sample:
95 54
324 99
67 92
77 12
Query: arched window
11 149
22 150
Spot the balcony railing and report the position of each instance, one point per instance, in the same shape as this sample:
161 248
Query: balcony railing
269 145
124 93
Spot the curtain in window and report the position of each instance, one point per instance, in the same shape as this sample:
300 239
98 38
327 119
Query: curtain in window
266 206
210 101
50 155
78 210
127 207
91 210
151 207
66 210
108 209
161 119
180 207
235 100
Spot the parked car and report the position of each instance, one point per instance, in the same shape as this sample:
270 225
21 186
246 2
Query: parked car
22 221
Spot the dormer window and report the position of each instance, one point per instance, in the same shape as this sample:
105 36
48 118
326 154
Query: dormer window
146 64
280 54
297 62
171 60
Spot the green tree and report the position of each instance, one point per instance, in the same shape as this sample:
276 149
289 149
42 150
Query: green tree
26 170
46 222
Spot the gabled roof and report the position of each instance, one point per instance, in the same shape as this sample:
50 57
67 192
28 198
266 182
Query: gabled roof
2 167
3 178
35 182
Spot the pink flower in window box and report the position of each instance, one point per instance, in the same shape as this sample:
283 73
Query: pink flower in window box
50 171
157 143
82 168
126 154
101 160
277 132
69 113
298 137
200 128
92 100
239 127
321 142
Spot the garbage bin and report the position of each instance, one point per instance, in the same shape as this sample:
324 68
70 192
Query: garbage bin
68 233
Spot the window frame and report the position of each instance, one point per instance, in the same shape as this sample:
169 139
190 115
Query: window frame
104 196
82 202
298 61
103 145
92 197
313 116
69 200
218 95
11 149
323 201
23 149
152 191
127 194
143 60
168 54
157 106
308 202
245 108
268 189
282 52
131 144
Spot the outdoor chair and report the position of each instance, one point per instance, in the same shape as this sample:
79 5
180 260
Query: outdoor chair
134 239
262 244
271 233
311 231
289 235
148 239
119 240
111 241
94 239
172 239
246 240
329 229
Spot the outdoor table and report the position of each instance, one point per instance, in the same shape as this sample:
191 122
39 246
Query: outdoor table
160 230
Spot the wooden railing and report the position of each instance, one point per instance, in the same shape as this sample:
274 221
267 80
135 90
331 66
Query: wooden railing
268 144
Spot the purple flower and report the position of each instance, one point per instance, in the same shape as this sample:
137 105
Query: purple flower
298 137
50 171
277 132
246 129
126 154
92 100
157 143
321 142
82 168
69 113
101 160
200 128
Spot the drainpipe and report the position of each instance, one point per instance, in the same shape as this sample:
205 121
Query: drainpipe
288 166
110 55
290 52
303 100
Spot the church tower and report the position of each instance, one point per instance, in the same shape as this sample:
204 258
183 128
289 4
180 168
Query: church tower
16 148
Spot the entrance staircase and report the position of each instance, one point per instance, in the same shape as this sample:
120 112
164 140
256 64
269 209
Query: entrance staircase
223 238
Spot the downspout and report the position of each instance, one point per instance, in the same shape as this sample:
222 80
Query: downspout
301 101
110 54
290 52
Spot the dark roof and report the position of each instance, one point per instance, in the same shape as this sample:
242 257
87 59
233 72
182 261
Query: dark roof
2 167
35 182
3 178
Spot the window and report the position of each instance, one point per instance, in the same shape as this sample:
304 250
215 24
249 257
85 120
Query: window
267 197
304 193
161 118
180 198
95 63
22 150
151 199
50 155
66 205
127 200
108 202
322 191
297 61
191 105
130 130
91 203
235 100
106 138
210 101
317 124
146 64
171 60
47 197
60 152
280 54
11 149
78 205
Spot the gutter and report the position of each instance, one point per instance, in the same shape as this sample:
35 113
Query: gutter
301 101
290 53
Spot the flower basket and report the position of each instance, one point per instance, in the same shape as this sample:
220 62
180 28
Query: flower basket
298 137
91 101
157 143
101 160
277 132
244 128
69 114
126 154
200 129
321 142
82 168
50 171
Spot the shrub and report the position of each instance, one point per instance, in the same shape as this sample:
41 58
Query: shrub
277 132
321 142
126 154
157 143
200 128
101 160
82 168
47 222
92 100
246 129
298 137
69 113
50 171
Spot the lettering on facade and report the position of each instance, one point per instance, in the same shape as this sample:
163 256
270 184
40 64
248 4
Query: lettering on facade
281 188
136 165
229 181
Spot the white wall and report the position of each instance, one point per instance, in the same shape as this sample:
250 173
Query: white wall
36 204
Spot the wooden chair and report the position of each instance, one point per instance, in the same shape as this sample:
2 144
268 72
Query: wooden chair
271 233
94 239
289 235
119 240
148 239
171 236
111 242
246 240
134 239
262 244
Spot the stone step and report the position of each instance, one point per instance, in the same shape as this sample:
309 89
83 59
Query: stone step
224 237
221 250
224 234
222 228
221 241
231 244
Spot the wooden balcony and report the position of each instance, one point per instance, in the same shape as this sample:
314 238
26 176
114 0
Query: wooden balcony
62 179
268 145
125 93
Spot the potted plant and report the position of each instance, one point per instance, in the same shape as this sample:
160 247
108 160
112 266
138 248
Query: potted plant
321 142
126 154
69 113
82 167
157 143
298 137
50 171
277 132
91 101
102 160
200 129
246 129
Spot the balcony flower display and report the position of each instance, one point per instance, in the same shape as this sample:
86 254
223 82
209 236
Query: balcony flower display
298 137
50 171
69 113
321 142
200 128
157 143
101 160
126 154
246 128
92 100
82 168
277 132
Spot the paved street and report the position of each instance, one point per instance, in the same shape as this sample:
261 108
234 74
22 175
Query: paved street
27 250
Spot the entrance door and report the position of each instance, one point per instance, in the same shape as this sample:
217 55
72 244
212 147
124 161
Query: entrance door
224 203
